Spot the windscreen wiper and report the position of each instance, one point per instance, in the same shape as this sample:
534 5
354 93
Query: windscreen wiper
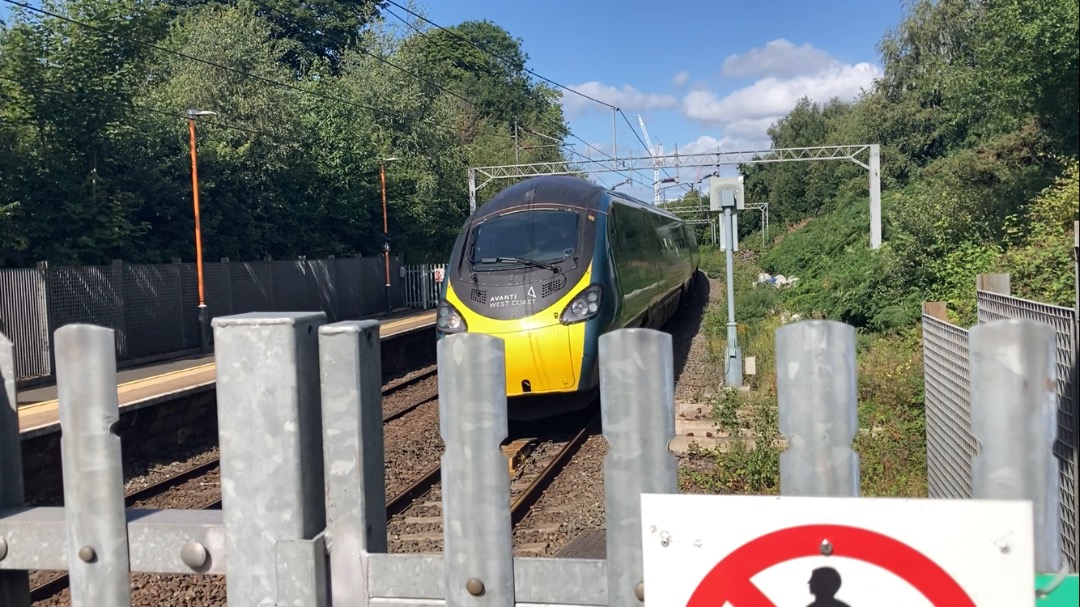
522 260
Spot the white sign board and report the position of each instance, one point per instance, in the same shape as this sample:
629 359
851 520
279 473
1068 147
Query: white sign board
755 551
438 274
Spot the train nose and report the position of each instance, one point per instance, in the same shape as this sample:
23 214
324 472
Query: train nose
539 360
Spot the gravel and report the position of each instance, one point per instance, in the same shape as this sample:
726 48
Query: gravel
418 529
574 502
412 444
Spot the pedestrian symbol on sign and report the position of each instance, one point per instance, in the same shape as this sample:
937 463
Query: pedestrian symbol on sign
824 584
835 552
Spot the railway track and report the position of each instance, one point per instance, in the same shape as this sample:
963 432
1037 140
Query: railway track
415 514
57 583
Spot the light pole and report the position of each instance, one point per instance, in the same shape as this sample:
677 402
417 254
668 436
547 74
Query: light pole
204 320
385 227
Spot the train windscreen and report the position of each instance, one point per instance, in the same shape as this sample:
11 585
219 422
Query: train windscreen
537 235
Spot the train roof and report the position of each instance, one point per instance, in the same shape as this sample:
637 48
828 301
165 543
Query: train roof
556 189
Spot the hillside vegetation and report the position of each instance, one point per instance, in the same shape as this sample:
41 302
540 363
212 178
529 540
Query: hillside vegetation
977 118
976 114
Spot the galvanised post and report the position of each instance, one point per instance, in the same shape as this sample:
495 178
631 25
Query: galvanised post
816 390
270 427
91 462
637 401
14 585
1014 415
350 365
478 546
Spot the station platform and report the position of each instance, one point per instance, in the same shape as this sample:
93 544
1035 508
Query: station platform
151 384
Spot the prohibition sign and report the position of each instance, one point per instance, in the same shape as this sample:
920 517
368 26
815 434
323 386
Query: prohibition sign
729 581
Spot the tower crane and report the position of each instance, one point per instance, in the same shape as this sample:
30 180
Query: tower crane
656 154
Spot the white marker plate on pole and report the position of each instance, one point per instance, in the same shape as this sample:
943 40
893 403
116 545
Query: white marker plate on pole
759 551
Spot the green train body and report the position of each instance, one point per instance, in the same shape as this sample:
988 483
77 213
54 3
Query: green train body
554 262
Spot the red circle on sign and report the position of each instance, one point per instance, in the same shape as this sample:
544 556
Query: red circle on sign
730 581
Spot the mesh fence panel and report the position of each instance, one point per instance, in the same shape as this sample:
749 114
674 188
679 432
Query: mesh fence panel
994 306
950 445
350 287
289 286
24 319
154 308
89 294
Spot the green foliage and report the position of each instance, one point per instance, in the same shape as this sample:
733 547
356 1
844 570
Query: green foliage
970 131
1039 261
94 146
891 439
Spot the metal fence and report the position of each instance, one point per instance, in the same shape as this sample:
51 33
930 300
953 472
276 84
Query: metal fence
303 518
153 309
951 445
423 285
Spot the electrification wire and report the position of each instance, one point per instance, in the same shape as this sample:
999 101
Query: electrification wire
364 51
218 65
507 61
425 19
144 108
270 80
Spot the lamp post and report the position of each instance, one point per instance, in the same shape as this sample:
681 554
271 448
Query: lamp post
204 320
385 227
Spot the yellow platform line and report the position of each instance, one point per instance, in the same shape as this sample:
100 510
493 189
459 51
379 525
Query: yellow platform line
188 371
124 387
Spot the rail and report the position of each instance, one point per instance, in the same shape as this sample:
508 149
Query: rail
303 513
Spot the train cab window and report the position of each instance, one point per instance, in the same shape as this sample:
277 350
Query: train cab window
538 234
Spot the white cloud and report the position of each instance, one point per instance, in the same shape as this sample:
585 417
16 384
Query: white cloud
774 97
788 73
707 144
627 98
778 58
681 78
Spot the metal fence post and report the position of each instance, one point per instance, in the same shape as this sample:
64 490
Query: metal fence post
350 365
91 463
270 426
1014 415
637 401
479 565
816 389
14 585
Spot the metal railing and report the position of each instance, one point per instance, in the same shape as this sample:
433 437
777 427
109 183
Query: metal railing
153 309
303 513
423 285
951 444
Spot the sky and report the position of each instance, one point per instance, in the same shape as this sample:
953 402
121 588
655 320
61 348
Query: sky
703 75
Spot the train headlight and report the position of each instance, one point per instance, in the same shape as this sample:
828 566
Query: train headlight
584 306
448 320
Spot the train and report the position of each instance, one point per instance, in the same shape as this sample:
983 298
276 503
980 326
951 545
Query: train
549 265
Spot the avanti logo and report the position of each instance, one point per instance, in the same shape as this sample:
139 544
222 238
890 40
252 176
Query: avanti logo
512 299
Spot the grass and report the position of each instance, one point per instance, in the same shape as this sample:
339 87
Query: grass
891 443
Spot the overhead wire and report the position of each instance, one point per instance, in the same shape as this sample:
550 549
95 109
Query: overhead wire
507 61
218 65
302 90
181 116
425 19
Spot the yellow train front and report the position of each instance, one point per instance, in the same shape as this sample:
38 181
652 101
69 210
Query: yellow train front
552 263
